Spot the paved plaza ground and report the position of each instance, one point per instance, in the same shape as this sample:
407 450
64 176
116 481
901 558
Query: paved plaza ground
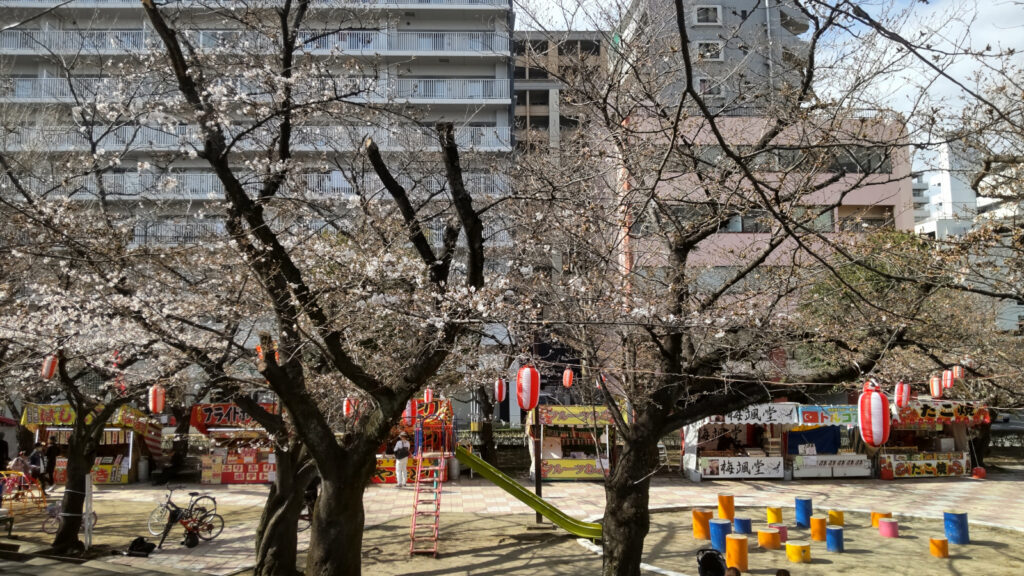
485 530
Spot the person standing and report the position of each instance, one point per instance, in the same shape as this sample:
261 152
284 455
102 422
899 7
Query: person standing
402 459
52 453
37 461
4 448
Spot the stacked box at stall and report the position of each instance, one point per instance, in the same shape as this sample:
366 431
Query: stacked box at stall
241 453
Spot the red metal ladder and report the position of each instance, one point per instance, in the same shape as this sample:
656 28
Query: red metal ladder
426 507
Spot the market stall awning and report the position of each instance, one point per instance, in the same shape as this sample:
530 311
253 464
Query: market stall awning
771 413
227 415
589 416
5 421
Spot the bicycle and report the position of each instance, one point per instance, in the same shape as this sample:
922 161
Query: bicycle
305 517
199 524
55 518
199 504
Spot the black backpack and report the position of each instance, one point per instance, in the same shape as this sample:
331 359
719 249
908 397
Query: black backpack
140 547
710 562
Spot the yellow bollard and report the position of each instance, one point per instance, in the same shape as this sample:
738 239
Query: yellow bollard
818 525
768 538
798 551
736 551
939 547
876 515
835 518
726 507
774 515
701 531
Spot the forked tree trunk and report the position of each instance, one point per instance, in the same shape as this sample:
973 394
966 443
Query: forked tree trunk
276 535
627 512
180 445
335 545
488 450
81 453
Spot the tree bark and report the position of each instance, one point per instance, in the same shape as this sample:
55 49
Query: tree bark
276 535
81 453
488 450
335 545
627 517
181 442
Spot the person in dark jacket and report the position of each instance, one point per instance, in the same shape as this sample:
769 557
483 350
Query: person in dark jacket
52 453
37 461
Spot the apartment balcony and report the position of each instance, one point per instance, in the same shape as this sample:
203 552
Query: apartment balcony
316 42
124 139
323 4
407 90
191 186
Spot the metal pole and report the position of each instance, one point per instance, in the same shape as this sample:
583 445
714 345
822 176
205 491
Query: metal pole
87 517
536 456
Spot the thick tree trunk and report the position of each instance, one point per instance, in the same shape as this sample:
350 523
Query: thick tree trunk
181 442
80 458
335 546
488 450
276 535
626 514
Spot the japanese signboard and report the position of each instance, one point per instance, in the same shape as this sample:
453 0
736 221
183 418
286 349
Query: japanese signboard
904 466
741 467
385 472
941 412
774 413
62 415
589 416
839 415
206 416
574 469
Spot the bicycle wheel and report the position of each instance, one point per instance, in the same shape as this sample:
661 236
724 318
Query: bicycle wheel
305 518
157 520
51 524
210 526
204 505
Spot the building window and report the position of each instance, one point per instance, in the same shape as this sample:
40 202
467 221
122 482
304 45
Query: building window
709 15
709 51
536 97
538 122
708 87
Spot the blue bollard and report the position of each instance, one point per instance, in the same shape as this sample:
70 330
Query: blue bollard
956 527
742 526
803 512
834 538
720 528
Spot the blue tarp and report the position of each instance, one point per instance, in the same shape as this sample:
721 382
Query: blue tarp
826 440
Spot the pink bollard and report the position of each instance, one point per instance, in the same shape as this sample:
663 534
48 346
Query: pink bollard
888 528
783 531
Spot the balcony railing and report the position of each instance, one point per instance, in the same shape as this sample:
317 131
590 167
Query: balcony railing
305 138
365 42
350 88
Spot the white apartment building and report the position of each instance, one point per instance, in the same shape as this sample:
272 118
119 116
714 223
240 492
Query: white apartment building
428 60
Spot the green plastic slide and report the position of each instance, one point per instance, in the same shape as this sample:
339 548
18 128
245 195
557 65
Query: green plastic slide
569 524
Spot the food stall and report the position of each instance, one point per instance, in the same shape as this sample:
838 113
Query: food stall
821 445
128 436
576 441
429 426
930 438
241 451
747 443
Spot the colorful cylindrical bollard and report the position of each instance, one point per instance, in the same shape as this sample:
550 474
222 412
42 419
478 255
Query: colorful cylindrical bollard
798 551
768 538
804 509
835 518
955 522
774 515
889 528
726 507
834 538
876 515
736 552
742 526
720 528
939 547
700 523
818 524
783 531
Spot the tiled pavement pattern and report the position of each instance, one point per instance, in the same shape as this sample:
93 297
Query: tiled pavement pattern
995 500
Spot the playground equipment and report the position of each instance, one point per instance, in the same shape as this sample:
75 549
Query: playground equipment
433 440
571 525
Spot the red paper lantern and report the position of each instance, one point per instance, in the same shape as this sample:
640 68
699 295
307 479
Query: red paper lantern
157 399
407 414
873 408
902 394
428 395
958 372
870 384
935 386
348 407
528 387
49 366
499 390
567 377
947 379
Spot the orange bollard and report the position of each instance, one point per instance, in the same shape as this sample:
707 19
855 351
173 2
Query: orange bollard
726 507
939 547
768 538
701 517
818 524
876 515
736 551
